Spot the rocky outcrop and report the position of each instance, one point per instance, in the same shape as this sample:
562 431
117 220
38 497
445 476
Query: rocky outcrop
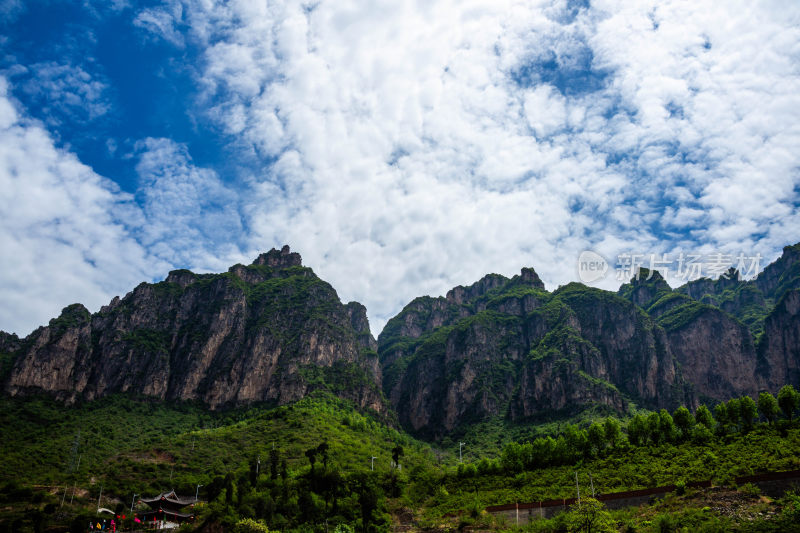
779 352
9 342
273 331
731 336
715 351
506 347
270 331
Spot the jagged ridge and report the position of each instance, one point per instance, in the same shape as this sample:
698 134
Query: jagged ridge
270 331
506 347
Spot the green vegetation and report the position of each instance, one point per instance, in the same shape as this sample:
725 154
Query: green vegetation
148 340
294 467
680 316
71 316
129 445
6 362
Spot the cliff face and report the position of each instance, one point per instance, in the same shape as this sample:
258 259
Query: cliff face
715 351
506 347
273 331
779 351
270 331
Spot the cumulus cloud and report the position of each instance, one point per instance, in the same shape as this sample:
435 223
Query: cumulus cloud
406 148
65 231
160 22
192 218
64 91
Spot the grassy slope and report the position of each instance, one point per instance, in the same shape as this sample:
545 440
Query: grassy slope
129 445
761 450
133 445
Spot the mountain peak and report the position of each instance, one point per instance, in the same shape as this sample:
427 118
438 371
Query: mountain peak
530 277
282 258
461 294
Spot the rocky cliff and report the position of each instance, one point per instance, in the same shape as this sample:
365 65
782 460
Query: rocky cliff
506 347
273 331
269 331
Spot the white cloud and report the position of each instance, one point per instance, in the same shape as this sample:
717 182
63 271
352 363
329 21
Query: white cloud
65 230
403 148
161 22
64 90
545 110
417 147
192 218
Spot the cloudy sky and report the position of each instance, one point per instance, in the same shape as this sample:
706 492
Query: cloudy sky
401 147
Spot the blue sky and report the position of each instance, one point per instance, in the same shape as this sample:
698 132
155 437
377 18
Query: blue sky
401 147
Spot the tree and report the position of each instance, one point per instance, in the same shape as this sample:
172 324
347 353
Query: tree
749 411
248 525
368 497
666 426
511 457
612 431
721 414
589 516
274 459
788 400
684 421
397 453
637 430
311 453
596 437
703 416
577 442
322 450
768 406
654 427
734 411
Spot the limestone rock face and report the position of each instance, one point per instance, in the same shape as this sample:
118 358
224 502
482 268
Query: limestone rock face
271 331
779 352
508 348
504 347
716 354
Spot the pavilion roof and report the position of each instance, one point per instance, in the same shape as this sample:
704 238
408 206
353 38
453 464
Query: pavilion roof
169 499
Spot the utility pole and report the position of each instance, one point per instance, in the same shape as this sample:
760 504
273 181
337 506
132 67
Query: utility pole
372 467
578 488
460 445
98 498
197 492
132 501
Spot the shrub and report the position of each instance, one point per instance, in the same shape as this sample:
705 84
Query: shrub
248 525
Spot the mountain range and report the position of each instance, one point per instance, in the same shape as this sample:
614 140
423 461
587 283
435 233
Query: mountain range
273 332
